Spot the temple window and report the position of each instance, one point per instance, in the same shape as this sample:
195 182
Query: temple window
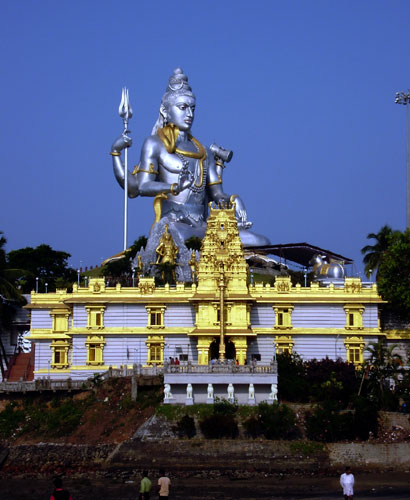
155 347
95 346
155 316
59 349
354 316
283 316
354 350
95 317
284 344
60 319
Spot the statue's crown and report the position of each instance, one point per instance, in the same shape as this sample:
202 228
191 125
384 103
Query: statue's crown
178 81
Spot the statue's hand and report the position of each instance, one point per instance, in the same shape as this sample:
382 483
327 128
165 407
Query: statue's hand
241 214
185 180
122 142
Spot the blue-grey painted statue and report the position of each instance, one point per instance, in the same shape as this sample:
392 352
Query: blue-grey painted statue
176 169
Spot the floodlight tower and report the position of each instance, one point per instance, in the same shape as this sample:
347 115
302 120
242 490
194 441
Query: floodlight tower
403 98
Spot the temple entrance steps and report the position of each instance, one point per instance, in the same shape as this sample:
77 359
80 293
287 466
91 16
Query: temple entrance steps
22 368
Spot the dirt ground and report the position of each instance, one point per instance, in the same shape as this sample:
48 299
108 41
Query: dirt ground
383 486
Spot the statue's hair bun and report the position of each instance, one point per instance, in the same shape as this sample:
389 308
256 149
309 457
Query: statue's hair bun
178 81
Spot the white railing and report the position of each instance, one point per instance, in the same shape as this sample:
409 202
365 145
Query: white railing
221 368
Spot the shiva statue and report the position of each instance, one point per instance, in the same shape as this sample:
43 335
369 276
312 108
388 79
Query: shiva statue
178 171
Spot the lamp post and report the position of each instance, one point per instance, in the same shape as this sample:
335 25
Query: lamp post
403 98
37 284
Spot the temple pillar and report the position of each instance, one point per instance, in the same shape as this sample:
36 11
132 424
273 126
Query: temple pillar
203 349
241 347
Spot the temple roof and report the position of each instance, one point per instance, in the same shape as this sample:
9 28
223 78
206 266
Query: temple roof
301 253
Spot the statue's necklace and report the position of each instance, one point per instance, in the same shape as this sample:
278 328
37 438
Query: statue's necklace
200 155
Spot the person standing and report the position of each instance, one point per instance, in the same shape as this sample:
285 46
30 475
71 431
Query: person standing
145 486
347 483
59 493
164 485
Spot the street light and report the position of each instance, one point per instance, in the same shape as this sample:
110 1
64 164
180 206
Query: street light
403 98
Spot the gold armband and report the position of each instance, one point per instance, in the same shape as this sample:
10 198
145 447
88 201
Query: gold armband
151 170
115 153
173 187
219 181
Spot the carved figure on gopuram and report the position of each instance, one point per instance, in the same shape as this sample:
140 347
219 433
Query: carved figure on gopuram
181 174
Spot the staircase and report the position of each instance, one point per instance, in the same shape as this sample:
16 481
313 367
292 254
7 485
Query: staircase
23 367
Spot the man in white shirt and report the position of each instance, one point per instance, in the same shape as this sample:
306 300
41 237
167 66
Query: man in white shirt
164 485
347 483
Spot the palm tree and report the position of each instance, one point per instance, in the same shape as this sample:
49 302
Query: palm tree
373 254
382 366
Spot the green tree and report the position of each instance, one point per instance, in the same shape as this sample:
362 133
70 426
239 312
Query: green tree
41 262
394 273
373 254
120 269
382 366
10 297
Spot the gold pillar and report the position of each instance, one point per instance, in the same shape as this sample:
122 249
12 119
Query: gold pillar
241 347
221 313
203 349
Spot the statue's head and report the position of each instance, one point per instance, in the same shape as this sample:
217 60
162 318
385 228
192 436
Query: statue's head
177 104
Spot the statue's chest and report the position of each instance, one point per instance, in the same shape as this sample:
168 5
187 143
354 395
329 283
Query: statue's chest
171 165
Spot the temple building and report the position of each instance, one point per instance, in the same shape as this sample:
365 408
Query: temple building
219 315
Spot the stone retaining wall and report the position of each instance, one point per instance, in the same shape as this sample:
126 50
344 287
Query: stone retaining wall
207 457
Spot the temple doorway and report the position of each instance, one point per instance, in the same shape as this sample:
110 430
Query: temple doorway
230 350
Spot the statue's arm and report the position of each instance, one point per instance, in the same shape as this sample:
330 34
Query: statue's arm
124 141
217 194
148 170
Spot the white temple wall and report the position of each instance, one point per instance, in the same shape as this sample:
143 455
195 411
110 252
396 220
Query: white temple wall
79 350
40 318
262 345
318 316
370 316
179 315
125 315
262 316
175 345
79 316
43 354
319 346
124 350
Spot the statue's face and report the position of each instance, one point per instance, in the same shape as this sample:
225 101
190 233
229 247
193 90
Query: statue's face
181 112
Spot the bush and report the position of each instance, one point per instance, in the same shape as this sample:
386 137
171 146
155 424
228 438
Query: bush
219 426
365 418
327 424
253 427
292 384
224 407
277 420
10 419
186 427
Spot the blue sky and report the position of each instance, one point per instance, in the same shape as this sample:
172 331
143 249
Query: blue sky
301 91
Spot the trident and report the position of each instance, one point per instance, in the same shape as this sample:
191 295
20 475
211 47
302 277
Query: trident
125 111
